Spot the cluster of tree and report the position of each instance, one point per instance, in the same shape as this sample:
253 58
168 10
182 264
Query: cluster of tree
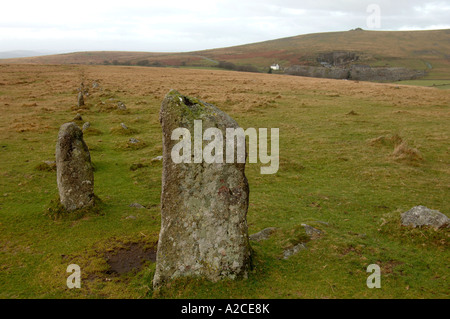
231 66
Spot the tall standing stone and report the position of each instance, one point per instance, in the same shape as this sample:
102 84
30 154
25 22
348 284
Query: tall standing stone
74 171
203 206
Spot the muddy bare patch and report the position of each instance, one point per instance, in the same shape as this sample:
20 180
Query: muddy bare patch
131 257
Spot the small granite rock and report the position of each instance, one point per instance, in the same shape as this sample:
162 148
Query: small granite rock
134 140
136 166
294 250
312 232
136 205
50 163
124 126
422 216
47 166
157 158
263 234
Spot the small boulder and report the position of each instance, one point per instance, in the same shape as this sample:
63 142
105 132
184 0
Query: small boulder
46 166
422 216
136 205
312 232
263 234
50 163
136 166
294 250
157 158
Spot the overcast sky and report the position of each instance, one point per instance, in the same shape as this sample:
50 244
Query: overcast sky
186 25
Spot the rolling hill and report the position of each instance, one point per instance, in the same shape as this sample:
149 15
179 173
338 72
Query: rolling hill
418 50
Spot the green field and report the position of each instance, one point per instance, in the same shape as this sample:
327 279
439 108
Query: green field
338 172
440 84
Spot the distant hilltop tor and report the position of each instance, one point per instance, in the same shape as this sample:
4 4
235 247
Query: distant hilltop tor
367 54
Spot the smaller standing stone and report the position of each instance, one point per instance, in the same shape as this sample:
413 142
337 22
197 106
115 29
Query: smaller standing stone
80 99
422 216
124 126
86 125
78 117
74 170
121 106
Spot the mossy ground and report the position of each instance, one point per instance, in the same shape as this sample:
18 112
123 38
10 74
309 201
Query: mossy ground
329 172
57 211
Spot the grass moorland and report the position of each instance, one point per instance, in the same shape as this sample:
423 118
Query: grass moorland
421 50
338 172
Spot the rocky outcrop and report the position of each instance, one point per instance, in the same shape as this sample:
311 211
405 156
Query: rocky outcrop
356 72
337 58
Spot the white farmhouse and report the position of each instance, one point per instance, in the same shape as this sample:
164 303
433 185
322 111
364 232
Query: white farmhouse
275 67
